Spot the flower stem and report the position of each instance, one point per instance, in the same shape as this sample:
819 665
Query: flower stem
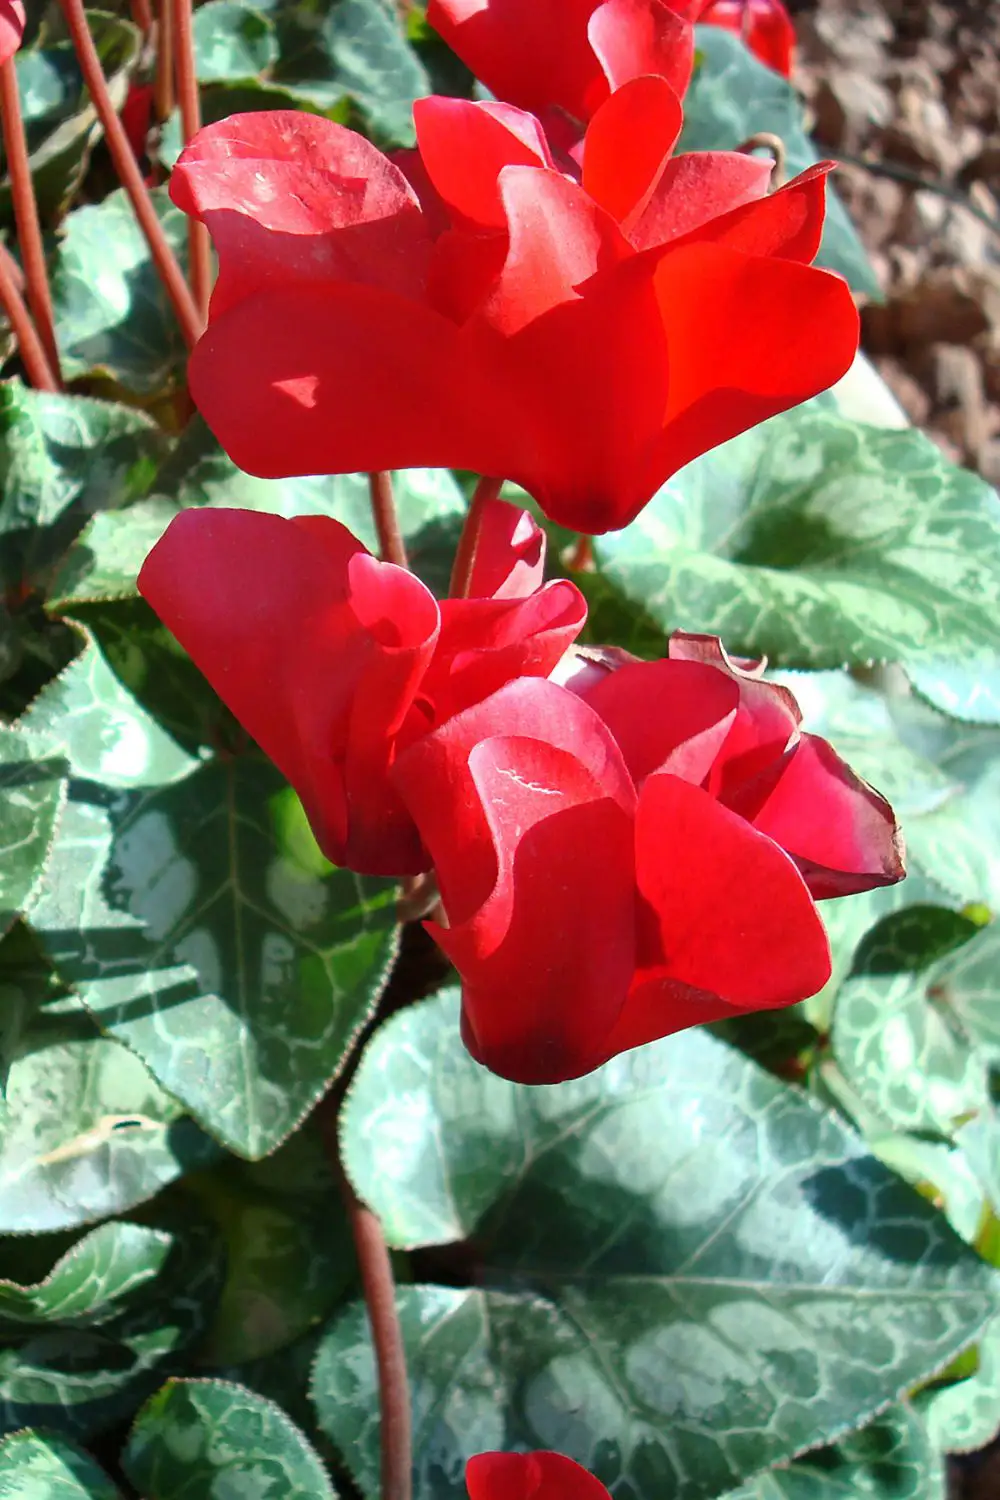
129 174
31 348
29 234
142 15
468 543
390 538
199 251
163 84
581 558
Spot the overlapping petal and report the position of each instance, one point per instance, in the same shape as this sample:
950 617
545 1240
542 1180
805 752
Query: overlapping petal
530 1476
12 24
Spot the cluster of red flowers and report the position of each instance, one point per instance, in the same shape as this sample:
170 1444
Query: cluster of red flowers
622 848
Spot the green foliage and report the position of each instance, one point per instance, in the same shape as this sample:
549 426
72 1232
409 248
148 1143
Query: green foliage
677 1250
210 1437
817 541
38 1465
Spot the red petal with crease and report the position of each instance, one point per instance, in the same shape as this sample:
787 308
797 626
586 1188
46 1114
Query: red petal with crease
286 382
841 833
12 24
627 146
510 553
634 37
727 911
788 224
464 146
317 650
694 190
530 1476
742 338
291 197
533 55
667 715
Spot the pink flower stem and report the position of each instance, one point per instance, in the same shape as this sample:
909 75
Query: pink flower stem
31 348
199 246
129 175
390 539
163 84
142 15
581 559
468 543
29 234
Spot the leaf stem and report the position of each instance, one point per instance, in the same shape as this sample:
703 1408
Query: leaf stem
29 234
468 543
199 245
31 348
163 84
142 15
390 538
129 174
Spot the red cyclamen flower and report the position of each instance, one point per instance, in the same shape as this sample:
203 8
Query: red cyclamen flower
530 1476
584 338
12 24
636 855
334 662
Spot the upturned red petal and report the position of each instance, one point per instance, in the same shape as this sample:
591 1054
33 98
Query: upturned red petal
12 24
510 554
627 147
464 146
765 26
530 1476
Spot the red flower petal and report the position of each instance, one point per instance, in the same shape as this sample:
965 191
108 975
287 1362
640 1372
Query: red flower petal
667 715
464 145
12 24
291 197
317 649
841 833
510 554
788 224
530 54
764 25
635 37
727 910
346 378
694 190
530 1476
743 341
627 145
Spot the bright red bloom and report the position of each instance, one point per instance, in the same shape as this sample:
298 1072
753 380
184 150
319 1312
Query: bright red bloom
765 26
567 54
530 1476
335 662
12 24
620 865
585 339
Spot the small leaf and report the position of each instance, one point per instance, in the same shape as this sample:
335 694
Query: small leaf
84 1287
44 1466
232 42
892 1459
194 936
686 1273
32 788
816 541
201 1437
965 1416
964 691
112 314
732 97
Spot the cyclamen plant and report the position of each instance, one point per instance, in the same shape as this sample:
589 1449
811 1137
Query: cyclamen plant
648 1253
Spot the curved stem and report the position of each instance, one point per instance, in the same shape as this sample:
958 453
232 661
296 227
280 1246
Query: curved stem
31 349
29 234
129 175
390 538
199 248
468 543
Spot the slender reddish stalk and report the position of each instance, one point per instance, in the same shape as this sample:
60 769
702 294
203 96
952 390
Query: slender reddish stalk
199 249
468 543
581 559
163 84
129 175
142 15
29 234
31 348
390 538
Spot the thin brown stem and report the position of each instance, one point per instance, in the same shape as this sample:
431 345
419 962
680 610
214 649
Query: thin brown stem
29 234
468 543
30 346
766 140
581 557
390 539
199 245
130 176
163 83
142 15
